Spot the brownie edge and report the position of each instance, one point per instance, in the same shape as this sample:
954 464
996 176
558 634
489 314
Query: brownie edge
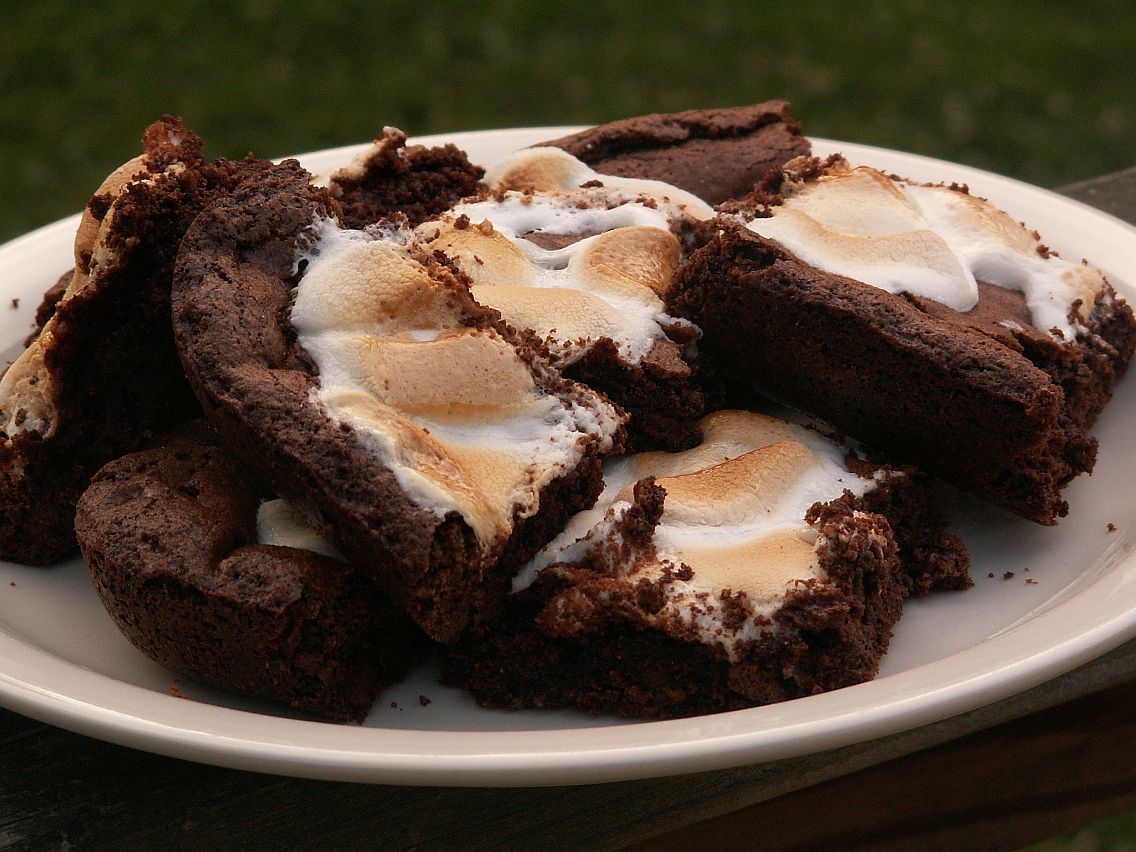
570 640
946 397
232 304
716 154
169 535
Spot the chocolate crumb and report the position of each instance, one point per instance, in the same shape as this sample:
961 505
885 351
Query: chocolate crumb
990 575
1030 581
423 700
15 303
1008 575
12 584
1112 527
394 705
177 693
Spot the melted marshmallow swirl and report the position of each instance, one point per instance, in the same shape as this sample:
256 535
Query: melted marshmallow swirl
734 512
570 260
450 407
934 241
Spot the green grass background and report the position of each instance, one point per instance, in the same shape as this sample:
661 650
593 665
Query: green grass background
1041 91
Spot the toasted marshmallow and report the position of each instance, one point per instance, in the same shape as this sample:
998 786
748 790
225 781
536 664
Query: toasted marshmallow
734 513
932 241
27 402
451 408
280 524
547 169
607 282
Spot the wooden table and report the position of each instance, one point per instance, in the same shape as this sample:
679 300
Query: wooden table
1022 769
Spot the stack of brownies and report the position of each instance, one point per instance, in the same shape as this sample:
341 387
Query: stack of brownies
305 428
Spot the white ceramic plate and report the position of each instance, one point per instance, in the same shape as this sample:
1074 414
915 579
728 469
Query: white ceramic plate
1072 597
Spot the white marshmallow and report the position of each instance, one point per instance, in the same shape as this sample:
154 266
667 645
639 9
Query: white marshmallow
279 523
452 410
933 241
734 512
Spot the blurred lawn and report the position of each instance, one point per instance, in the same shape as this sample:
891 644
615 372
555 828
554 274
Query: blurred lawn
1109 835
1029 89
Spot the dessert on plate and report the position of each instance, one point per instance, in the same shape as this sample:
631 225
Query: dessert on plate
918 319
354 371
761 565
208 578
485 403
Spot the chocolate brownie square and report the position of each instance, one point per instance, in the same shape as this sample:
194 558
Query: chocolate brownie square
717 154
170 535
917 319
356 373
760 566
583 262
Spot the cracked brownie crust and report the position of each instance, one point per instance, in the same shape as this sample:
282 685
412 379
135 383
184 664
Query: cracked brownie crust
717 154
102 375
232 305
169 535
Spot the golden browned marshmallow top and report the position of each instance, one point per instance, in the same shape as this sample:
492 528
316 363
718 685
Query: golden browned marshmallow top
734 512
569 254
453 409
547 169
933 241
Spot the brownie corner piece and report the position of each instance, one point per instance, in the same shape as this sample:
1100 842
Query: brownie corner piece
717 154
709 580
968 385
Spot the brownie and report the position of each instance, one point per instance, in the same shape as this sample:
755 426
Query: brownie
975 393
583 261
365 443
717 154
50 299
714 585
392 177
170 538
102 375
661 394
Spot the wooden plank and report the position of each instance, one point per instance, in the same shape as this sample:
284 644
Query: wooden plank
58 788
1015 784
